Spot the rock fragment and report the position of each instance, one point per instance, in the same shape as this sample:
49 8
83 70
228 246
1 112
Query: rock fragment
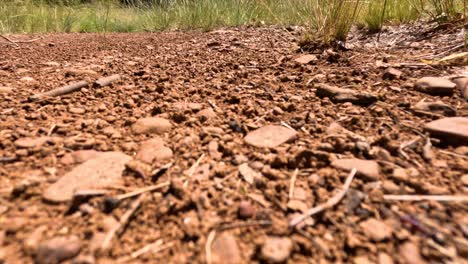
5 90
226 250
29 142
100 172
435 86
452 130
384 258
341 95
376 230
391 74
153 150
270 136
57 249
306 59
409 253
367 168
151 125
437 107
277 249
249 174
77 110
79 156
246 210
206 114
462 85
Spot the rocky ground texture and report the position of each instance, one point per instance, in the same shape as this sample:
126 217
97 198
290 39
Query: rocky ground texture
211 147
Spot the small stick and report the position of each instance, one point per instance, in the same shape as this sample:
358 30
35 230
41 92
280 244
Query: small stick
293 182
105 81
453 154
264 203
193 169
439 198
212 104
209 243
51 130
9 40
60 91
330 203
7 159
142 190
29 40
244 224
141 251
286 125
120 227
6 111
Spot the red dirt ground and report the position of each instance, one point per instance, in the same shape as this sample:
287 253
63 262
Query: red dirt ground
247 78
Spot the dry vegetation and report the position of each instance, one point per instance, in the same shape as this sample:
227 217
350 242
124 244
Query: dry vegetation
327 19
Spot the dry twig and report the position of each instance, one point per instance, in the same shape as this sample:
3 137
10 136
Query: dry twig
293 182
193 169
244 224
209 242
9 40
105 81
329 204
152 247
142 190
286 125
416 197
120 227
60 91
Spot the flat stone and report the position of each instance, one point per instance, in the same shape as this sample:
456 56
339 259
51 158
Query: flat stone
213 150
276 249
462 85
376 230
270 136
29 142
213 130
366 168
206 114
435 86
463 150
151 125
27 79
84 259
362 260
306 59
464 179
226 250
153 150
98 173
79 156
77 110
391 74
57 249
409 254
297 205
437 107
5 90
341 95
384 258
452 130
249 174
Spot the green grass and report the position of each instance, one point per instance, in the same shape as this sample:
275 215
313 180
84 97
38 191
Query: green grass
326 19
